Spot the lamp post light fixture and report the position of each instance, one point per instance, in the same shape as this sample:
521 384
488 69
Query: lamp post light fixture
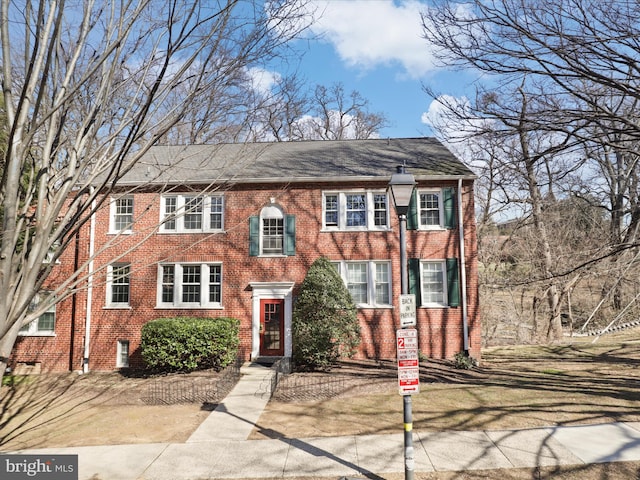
401 187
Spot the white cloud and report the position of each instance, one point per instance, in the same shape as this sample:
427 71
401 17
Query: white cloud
368 33
262 80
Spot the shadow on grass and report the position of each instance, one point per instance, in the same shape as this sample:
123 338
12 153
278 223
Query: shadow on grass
45 401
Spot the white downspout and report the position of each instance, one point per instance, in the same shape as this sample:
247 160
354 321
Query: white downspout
87 321
463 275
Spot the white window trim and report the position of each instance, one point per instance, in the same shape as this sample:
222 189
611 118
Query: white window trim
32 330
271 212
112 215
180 212
109 289
342 210
177 287
371 283
445 283
440 194
119 352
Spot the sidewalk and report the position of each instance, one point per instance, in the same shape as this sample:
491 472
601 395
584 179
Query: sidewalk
219 448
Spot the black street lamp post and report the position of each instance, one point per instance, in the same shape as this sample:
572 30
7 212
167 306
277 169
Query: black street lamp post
401 187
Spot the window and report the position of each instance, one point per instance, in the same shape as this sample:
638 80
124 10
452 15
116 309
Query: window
189 285
432 209
45 324
369 282
272 230
433 291
191 213
272 233
435 282
118 285
358 210
121 218
122 355
331 210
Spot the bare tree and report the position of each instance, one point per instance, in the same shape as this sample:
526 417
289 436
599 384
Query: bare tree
578 60
338 115
88 88
278 111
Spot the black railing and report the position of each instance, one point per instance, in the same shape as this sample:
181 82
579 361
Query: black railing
193 388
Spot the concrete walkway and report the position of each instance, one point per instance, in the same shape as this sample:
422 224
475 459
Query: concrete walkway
219 448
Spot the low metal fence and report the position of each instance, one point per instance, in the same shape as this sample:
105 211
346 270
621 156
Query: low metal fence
193 388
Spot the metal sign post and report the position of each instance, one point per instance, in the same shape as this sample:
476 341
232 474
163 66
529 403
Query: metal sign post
409 384
407 310
408 361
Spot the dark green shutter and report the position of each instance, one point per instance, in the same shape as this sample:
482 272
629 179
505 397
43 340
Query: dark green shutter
453 283
290 235
254 236
449 205
413 222
414 279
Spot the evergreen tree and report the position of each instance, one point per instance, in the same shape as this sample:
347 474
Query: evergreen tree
325 323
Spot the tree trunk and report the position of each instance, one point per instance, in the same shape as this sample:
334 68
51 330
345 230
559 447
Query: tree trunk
6 345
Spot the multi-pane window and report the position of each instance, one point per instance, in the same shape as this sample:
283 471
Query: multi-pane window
118 284
191 284
382 284
380 209
170 208
358 210
168 283
215 213
433 283
188 285
272 235
357 281
192 213
430 207
368 282
122 214
215 284
331 210
43 325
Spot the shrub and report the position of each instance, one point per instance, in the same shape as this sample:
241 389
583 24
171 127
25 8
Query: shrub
325 324
464 361
187 344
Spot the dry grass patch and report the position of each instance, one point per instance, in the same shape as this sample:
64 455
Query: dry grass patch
517 387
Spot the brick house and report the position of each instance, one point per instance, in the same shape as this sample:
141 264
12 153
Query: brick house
231 230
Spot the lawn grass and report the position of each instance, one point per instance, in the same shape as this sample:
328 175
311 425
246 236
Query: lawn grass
515 387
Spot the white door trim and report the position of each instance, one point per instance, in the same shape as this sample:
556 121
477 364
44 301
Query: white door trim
265 291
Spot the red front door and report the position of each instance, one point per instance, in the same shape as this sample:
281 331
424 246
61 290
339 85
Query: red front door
272 328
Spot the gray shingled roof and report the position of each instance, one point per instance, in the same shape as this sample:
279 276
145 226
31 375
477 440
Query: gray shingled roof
297 161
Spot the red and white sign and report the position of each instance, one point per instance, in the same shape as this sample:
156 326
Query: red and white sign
408 362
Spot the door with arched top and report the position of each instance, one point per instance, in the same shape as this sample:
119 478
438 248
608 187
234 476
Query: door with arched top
272 327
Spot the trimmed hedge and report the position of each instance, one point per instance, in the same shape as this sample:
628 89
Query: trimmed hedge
186 344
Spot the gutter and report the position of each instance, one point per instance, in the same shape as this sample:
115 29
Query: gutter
283 179
463 275
87 321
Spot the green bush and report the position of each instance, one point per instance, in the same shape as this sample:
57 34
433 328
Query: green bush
325 324
463 361
186 344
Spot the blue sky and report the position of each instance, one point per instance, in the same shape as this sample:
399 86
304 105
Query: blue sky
375 47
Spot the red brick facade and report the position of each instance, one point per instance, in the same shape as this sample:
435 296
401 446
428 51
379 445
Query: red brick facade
440 329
